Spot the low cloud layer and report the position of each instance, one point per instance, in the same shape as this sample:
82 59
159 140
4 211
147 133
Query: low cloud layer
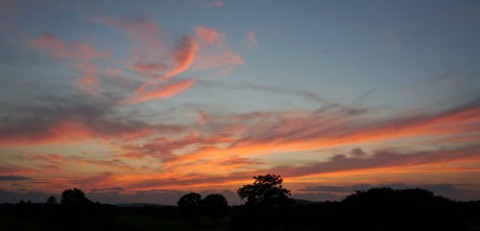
452 191
13 178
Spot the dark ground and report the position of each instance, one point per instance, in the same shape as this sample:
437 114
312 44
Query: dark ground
375 209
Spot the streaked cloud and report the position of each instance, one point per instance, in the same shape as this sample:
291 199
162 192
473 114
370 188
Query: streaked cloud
270 133
81 118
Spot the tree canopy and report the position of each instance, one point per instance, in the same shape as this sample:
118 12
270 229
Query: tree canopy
189 204
215 206
266 190
75 197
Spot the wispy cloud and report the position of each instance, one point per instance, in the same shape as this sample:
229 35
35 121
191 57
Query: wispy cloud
81 56
251 38
156 88
163 91
210 36
59 48
213 53
216 3
152 57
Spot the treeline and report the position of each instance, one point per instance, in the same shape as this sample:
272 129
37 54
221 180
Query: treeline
268 207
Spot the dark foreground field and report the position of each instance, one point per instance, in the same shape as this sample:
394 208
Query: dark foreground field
375 209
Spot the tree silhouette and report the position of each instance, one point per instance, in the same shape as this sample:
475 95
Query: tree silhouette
267 190
189 205
215 206
51 201
74 197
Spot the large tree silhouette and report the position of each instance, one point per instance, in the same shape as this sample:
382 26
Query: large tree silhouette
189 205
266 191
215 206
51 201
75 197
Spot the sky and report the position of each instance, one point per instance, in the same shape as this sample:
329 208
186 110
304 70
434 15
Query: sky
142 101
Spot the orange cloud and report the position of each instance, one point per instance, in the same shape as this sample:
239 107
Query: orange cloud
272 133
161 92
183 57
383 162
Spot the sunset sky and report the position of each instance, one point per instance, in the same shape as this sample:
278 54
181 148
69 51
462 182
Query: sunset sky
134 100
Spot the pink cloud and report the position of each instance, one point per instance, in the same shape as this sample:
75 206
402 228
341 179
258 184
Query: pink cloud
149 67
213 54
149 50
210 36
216 3
183 57
146 33
251 38
227 59
152 59
161 91
113 72
81 55
49 41
88 85
89 81
60 49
